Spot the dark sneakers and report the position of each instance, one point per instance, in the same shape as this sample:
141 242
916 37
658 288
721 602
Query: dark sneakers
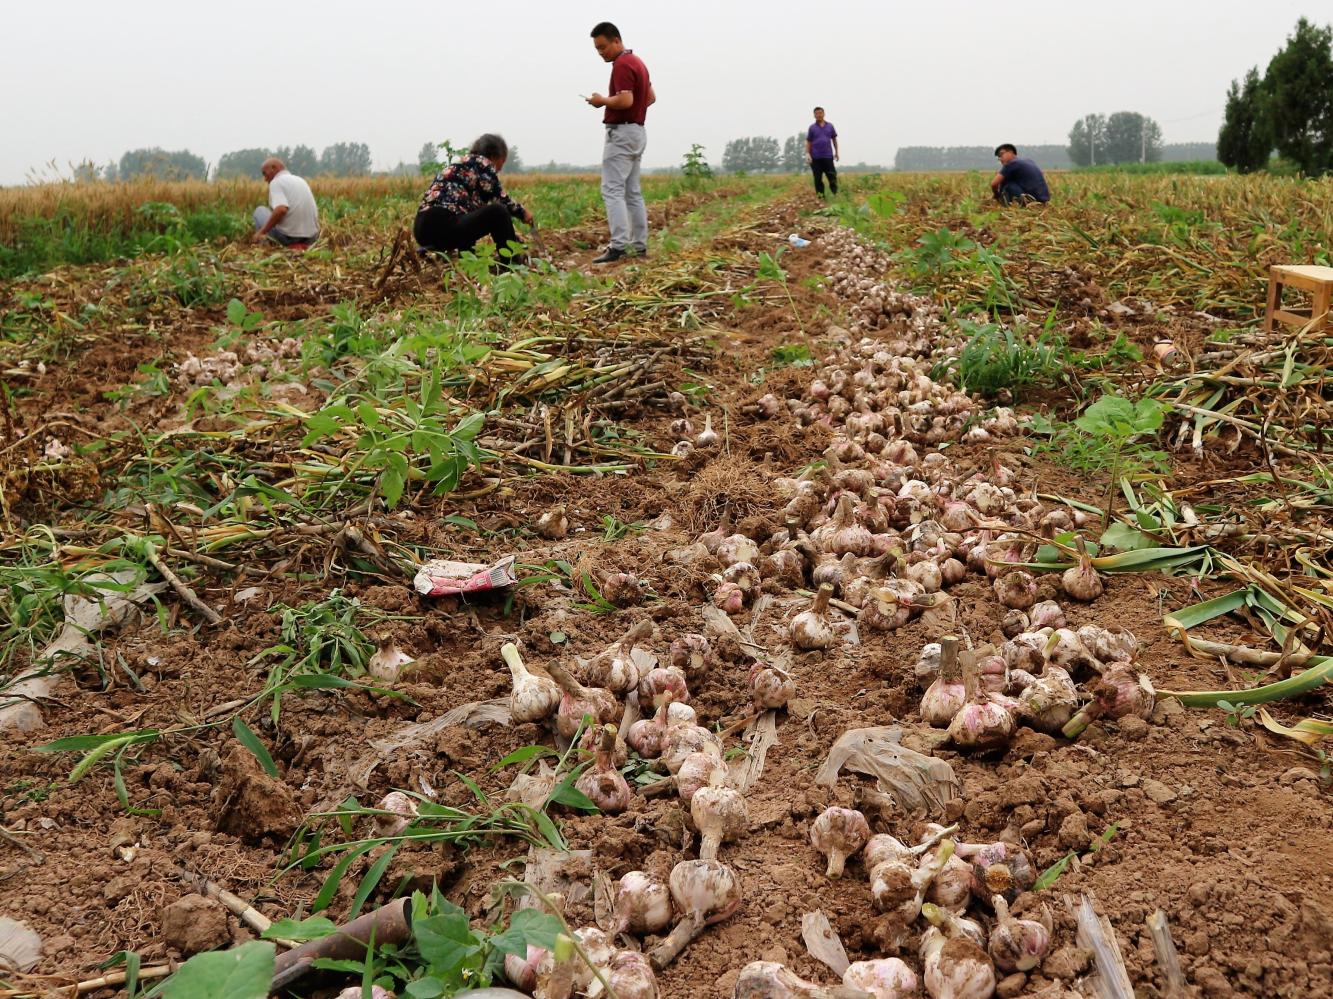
610 255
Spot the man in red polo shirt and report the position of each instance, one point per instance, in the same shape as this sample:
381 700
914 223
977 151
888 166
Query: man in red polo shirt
626 106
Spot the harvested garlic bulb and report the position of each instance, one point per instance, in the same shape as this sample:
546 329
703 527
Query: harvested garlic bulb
692 654
984 722
631 976
719 814
838 833
729 598
682 740
945 697
645 735
643 905
697 771
1120 692
771 687
1017 944
553 524
955 966
1049 702
622 589
737 548
707 436
579 701
1082 582
886 978
770 980
661 679
705 892
402 809
1016 589
810 630
604 785
533 698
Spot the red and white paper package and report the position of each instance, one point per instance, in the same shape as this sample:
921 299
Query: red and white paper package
439 578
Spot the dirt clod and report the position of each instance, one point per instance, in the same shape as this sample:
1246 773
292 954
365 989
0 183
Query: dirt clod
194 923
251 804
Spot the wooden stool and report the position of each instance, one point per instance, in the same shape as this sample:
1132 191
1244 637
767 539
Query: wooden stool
1318 281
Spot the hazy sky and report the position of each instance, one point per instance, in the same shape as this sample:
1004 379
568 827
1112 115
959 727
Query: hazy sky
83 79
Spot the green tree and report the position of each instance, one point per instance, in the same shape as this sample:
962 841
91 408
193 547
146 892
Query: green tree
428 159
1132 138
793 153
162 164
1246 139
1087 140
302 160
241 163
753 154
345 159
1299 105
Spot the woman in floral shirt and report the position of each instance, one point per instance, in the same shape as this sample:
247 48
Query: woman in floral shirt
465 202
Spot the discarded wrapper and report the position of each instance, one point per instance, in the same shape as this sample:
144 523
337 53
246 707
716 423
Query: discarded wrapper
439 578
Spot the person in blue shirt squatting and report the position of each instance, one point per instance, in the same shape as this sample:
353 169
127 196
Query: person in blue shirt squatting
1019 180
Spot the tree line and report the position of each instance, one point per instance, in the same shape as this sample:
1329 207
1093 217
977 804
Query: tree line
1288 109
926 158
1123 137
341 159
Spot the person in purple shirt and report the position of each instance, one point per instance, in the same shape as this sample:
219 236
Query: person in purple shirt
821 146
1019 180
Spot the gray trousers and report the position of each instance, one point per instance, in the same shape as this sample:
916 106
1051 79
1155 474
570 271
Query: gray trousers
626 213
262 214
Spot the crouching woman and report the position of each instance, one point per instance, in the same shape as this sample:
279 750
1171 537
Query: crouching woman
466 201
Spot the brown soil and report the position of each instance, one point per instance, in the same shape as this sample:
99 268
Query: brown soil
1228 834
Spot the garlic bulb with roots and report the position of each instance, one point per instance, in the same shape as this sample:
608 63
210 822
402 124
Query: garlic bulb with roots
785 568
997 869
622 589
707 436
1016 589
838 833
1049 702
955 966
1119 692
1082 582
401 808
712 540
737 548
604 785
770 980
729 598
682 740
532 698
693 654
579 701
719 814
1046 614
1108 646
631 976
645 735
1014 622
616 669
697 770
643 905
1018 944
771 687
945 697
842 534
984 722
927 668
705 892
553 524
899 888
388 661
885 978
810 630
951 888
1065 649
660 679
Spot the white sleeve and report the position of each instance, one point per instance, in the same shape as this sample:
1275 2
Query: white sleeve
277 193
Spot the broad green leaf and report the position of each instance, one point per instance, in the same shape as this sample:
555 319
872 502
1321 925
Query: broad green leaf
523 754
424 988
310 928
236 312
565 793
445 940
244 972
528 927
1124 538
247 738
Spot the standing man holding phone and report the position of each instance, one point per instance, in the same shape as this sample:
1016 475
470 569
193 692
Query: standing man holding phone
626 107
821 145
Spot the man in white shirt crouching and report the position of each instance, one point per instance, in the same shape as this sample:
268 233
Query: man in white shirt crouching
291 216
